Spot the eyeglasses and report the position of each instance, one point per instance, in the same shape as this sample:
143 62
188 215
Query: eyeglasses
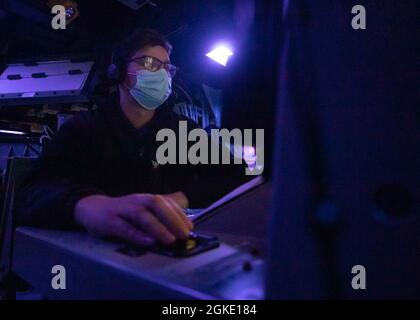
154 64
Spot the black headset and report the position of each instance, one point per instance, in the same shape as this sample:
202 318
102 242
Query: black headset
116 70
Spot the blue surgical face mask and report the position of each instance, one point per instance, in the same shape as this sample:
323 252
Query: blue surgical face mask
152 89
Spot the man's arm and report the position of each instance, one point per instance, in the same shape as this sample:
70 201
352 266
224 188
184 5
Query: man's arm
58 180
59 194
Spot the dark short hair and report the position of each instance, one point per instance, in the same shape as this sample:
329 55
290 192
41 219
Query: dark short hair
139 39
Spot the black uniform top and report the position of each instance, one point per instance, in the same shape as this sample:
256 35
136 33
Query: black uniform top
100 152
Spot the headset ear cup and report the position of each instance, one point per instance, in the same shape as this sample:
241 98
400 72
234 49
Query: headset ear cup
114 74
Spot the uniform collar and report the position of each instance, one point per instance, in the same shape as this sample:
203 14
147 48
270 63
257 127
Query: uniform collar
119 120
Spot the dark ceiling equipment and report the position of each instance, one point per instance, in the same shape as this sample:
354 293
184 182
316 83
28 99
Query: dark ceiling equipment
138 4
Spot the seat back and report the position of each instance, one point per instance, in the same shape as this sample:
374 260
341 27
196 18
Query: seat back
16 170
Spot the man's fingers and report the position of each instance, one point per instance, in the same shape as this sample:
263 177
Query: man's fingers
181 213
150 224
126 231
168 215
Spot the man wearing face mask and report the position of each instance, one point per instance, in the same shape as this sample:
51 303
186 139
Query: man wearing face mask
100 170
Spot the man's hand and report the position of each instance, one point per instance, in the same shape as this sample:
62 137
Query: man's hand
137 218
179 198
